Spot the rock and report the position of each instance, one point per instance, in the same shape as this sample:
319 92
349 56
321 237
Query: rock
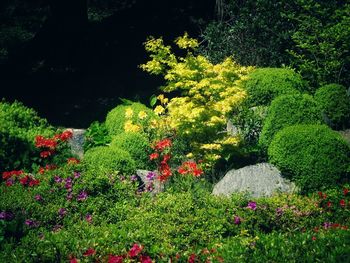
147 184
258 180
76 143
345 134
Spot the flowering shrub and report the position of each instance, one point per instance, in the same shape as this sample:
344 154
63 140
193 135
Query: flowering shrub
209 94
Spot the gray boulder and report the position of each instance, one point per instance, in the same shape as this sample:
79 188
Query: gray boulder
258 180
147 183
76 143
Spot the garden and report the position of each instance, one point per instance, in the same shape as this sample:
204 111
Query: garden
142 189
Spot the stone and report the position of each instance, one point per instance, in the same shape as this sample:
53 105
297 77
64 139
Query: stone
76 143
257 180
147 184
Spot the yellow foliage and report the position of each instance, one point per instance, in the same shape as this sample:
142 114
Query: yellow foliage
209 94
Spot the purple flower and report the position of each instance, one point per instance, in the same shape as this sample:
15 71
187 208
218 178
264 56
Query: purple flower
327 225
133 178
38 198
149 187
150 176
57 179
252 205
68 180
6 215
279 211
62 212
88 218
82 196
237 220
76 175
31 223
69 196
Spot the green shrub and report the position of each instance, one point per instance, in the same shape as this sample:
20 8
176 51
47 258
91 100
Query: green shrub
136 145
126 117
18 127
265 84
313 156
96 135
335 104
109 159
289 110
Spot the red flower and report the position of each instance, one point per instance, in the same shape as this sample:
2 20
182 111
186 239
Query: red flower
89 252
161 145
7 175
24 180
345 191
135 250
329 204
66 135
34 182
45 154
313 238
73 260
342 203
145 259
41 142
192 258
115 259
190 167
153 156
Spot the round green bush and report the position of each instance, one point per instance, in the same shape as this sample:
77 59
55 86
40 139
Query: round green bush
287 110
314 156
109 159
335 104
136 145
18 127
265 84
116 118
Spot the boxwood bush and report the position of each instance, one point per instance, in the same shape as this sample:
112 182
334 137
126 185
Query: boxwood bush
109 159
313 156
265 84
117 117
18 127
137 145
334 101
287 110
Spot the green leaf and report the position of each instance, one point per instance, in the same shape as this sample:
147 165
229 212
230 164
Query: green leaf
153 100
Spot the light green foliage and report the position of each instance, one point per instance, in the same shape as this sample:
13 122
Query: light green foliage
334 101
313 156
109 160
137 145
18 127
265 84
96 135
287 110
209 93
129 117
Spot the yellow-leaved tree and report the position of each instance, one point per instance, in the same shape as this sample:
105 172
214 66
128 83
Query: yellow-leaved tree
209 94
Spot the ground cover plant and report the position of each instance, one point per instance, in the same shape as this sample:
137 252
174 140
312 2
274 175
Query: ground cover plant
99 209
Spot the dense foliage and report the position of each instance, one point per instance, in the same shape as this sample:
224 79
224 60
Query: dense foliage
312 155
287 110
334 101
265 84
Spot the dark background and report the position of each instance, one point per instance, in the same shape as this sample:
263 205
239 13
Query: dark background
75 69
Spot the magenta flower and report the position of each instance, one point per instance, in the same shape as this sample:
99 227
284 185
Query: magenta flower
82 196
252 205
31 223
6 215
133 178
69 196
327 225
88 218
237 220
150 176
57 179
62 212
279 211
76 174
38 198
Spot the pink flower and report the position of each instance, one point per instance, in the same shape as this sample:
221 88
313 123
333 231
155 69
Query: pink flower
237 220
252 205
115 259
135 250
88 218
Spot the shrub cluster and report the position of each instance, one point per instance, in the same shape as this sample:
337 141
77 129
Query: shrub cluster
313 156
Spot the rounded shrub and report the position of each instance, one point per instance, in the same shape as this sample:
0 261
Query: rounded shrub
334 102
314 156
18 127
136 145
132 117
265 84
287 110
109 159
